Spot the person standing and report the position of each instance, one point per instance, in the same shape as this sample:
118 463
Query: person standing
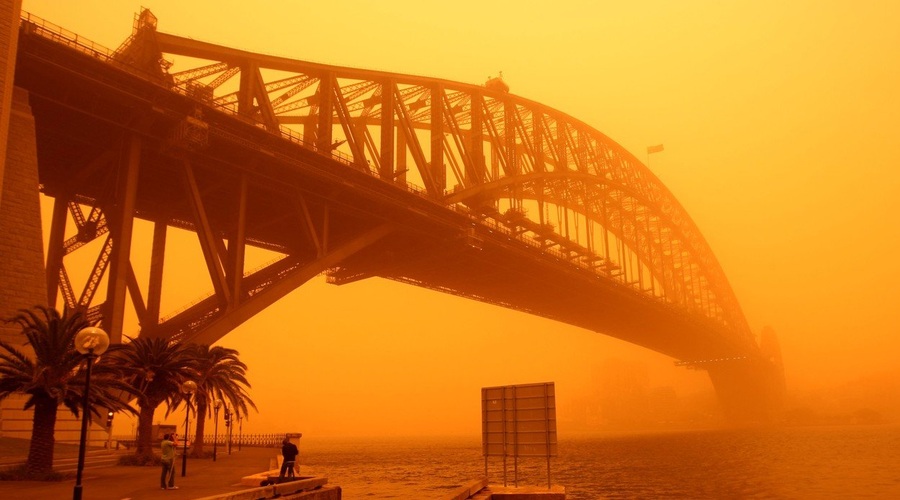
168 463
289 454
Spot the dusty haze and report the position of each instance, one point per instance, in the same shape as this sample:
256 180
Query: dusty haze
780 122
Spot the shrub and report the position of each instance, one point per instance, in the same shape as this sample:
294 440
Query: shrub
19 473
205 454
140 460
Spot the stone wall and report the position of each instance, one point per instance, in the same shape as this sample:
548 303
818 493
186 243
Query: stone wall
22 280
9 23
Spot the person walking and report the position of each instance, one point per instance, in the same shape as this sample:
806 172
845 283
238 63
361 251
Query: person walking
168 463
289 454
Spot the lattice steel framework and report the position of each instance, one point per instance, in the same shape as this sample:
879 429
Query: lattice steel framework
512 165
530 168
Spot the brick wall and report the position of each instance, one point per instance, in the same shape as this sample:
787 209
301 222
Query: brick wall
9 23
22 281
9 19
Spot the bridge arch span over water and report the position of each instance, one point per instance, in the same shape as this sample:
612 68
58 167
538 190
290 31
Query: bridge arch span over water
465 189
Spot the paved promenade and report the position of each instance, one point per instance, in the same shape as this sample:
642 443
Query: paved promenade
204 478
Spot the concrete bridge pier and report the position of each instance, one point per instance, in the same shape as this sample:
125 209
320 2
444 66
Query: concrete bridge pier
23 281
22 276
749 391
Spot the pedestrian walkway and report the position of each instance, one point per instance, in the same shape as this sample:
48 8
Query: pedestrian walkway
204 478
66 463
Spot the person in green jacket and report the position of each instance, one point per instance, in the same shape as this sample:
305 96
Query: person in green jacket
168 462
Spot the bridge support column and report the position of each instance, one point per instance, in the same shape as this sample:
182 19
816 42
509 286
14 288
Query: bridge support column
387 129
437 141
157 261
475 171
55 249
236 245
121 230
326 112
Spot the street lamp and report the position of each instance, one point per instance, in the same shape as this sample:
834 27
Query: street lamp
109 422
228 425
230 431
188 388
240 431
91 342
216 405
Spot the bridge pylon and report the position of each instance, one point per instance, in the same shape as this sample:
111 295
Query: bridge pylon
749 388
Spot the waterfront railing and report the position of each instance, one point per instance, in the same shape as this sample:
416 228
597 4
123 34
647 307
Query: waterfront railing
266 440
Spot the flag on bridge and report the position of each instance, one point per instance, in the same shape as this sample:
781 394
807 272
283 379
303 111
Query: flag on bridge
654 149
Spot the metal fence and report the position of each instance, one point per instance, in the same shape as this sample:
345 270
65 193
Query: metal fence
271 440
256 440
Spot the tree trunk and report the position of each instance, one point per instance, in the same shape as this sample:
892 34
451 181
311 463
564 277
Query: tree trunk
145 431
197 447
40 451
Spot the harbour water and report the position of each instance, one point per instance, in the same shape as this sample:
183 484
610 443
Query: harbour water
789 462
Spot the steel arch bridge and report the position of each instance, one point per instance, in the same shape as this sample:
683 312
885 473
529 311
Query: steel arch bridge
465 189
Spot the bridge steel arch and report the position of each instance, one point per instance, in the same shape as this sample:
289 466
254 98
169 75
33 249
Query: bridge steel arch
465 189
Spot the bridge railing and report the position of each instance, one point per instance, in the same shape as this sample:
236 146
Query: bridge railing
257 440
46 29
36 25
264 440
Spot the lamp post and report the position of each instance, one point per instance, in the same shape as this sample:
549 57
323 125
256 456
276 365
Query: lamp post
216 405
228 424
91 342
109 421
188 388
240 431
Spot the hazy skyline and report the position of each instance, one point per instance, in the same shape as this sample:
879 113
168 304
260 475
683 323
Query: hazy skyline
780 129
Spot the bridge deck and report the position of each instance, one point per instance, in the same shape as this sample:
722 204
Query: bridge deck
86 112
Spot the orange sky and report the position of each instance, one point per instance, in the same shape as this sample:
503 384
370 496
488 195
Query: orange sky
781 126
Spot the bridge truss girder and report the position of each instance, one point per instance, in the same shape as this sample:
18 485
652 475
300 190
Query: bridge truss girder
519 171
481 150
238 294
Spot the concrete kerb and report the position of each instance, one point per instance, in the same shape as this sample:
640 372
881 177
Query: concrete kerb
469 490
258 478
526 493
251 494
271 491
300 485
481 490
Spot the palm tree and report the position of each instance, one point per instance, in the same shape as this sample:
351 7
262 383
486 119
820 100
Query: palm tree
53 376
155 369
221 376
